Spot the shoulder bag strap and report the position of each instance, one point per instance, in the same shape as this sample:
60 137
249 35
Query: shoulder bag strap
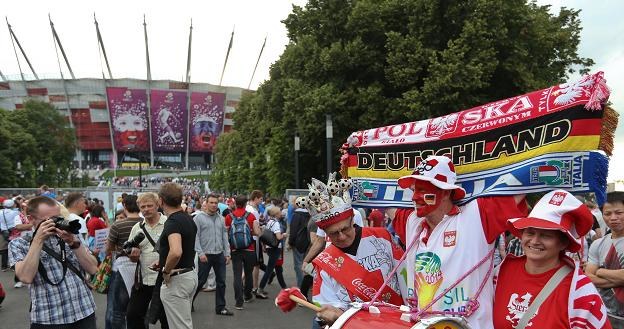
543 295
147 235
66 265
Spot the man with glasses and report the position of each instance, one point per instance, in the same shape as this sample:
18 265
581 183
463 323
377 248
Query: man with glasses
54 262
358 260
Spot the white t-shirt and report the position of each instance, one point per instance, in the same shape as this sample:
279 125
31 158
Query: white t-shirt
275 227
7 219
453 247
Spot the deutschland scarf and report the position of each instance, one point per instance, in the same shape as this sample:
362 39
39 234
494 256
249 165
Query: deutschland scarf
559 137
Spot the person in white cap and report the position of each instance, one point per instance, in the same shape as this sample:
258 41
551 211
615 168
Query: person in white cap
450 247
358 260
545 288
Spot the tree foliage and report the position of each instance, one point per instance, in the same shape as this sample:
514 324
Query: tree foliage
37 137
370 63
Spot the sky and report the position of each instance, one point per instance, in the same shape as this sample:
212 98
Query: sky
121 25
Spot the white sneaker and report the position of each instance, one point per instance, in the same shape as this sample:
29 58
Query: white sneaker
18 285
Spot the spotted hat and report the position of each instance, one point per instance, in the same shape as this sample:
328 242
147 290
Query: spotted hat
439 171
329 203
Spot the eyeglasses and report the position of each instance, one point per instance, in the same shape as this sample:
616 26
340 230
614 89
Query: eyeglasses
343 230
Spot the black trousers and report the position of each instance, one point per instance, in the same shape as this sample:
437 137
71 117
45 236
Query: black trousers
137 308
243 260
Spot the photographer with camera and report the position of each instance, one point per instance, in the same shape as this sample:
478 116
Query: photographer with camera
146 254
122 278
54 263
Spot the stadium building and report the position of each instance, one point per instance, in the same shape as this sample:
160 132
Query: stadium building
119 122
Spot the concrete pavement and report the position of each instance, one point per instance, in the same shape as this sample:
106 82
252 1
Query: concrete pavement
256 315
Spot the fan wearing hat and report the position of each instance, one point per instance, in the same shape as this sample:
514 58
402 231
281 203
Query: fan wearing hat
449 246
555 225
358 260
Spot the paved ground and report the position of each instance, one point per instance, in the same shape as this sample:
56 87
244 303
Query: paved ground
256 315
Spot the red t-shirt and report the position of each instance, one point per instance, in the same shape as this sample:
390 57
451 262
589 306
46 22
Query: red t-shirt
494 211
95 223
516 289
376 217
239 212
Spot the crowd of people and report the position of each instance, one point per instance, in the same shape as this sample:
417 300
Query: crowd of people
558 266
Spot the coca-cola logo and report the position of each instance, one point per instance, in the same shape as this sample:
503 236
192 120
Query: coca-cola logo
326 258
363 288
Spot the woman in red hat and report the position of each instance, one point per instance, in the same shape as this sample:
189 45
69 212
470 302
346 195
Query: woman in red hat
545 288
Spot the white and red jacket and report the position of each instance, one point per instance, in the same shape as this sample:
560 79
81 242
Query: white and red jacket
376 255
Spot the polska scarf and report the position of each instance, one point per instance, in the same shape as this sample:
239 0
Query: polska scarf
559 137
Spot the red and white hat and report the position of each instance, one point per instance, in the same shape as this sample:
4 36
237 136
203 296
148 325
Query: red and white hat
439 171
558 210
329 203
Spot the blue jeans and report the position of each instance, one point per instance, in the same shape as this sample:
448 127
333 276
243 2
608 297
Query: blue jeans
116 303
274 254
297 262
217 262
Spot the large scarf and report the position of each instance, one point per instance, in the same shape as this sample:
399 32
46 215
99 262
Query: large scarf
559 137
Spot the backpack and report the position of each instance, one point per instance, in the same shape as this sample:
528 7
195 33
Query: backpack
239 233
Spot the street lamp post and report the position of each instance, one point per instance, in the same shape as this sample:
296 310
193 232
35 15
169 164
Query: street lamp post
18 170
140 173
329 134
297 148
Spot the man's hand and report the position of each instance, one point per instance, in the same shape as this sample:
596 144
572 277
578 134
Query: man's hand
307 268
155 266
45 230
227 260
68 237
203 258
135 254
166 278
329 314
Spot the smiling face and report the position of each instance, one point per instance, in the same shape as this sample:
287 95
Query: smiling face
542 246
131 129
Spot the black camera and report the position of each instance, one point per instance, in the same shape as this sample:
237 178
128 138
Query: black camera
134 243
72 226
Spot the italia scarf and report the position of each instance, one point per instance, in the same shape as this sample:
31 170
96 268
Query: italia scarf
559 137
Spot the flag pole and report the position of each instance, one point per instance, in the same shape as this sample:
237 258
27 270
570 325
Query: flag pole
101 45
12 35
113 162
258 61
69 113
60 45
188 97
226 56
149 92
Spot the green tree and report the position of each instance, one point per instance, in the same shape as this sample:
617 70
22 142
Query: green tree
370 63
40 139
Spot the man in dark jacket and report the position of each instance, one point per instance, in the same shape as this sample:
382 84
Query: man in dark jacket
299 238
